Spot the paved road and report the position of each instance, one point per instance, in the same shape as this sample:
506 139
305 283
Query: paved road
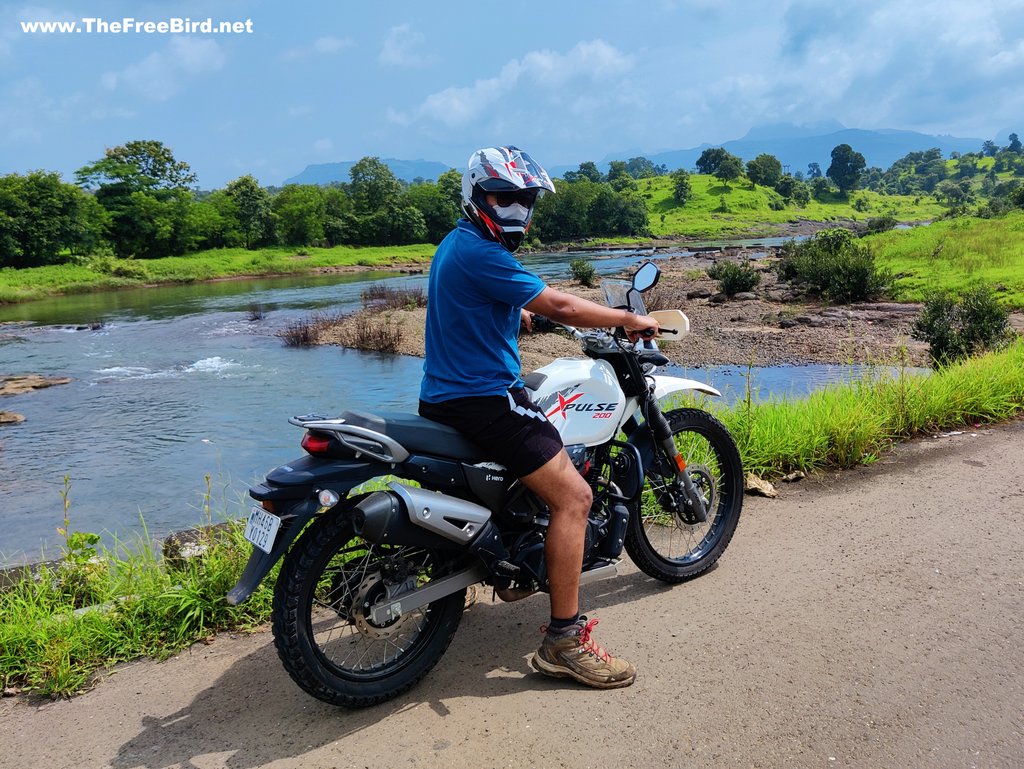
873 619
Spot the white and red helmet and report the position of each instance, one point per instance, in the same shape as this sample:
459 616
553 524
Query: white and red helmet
516 179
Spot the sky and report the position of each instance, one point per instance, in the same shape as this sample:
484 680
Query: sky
317 81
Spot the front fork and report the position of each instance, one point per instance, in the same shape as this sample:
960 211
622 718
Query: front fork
694 508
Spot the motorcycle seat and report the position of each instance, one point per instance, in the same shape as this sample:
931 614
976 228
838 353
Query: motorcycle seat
417 434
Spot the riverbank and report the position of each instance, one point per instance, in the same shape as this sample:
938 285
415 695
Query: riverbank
773 325
104 273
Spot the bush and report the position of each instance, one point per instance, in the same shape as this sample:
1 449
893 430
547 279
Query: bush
733 278
881 223
956 327
834 266
583 271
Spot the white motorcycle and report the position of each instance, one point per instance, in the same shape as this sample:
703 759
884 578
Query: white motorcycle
371 592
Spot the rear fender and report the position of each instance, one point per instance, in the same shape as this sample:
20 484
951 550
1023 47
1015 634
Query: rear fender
294 488
260 563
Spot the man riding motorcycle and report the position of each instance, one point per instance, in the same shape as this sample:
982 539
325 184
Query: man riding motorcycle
479 294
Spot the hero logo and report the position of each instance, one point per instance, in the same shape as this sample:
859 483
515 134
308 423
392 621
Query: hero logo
571 402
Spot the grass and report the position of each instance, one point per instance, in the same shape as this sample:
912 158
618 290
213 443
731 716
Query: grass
62 624
145 606
96 274
844 425
749 210
954 254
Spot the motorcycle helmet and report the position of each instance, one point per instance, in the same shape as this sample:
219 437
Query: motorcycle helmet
516 179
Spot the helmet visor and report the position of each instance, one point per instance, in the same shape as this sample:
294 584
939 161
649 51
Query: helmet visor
525 197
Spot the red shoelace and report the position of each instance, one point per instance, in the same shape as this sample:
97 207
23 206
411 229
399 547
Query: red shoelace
588 644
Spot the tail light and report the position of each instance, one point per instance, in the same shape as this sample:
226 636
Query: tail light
315 443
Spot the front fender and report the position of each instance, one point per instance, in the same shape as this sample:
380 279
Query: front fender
667 385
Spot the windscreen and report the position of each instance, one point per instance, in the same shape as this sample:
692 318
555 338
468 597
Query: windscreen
620 294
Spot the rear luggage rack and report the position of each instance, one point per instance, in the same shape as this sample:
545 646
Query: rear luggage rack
357 439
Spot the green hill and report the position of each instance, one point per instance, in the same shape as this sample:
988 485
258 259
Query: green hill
717 210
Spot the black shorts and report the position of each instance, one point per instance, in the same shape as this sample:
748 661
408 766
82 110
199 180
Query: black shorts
511 428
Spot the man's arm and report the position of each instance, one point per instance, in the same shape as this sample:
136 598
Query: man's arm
575 311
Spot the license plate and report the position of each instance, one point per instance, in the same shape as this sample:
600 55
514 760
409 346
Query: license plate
261 528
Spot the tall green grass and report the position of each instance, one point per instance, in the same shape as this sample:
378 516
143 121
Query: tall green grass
953 255
854 423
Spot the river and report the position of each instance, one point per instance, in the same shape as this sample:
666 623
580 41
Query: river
172 384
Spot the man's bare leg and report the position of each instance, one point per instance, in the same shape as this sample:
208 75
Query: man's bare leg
568 497
570 651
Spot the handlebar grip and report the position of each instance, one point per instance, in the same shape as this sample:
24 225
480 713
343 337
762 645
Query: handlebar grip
542 325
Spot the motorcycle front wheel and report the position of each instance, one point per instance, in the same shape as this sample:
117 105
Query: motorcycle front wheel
659 538
323 630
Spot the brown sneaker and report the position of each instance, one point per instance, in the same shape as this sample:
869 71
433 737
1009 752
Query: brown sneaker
575 654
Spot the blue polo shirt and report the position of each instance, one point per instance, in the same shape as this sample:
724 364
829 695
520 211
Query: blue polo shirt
475 292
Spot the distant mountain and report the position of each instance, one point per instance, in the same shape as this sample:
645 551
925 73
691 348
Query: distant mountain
407 170
796 146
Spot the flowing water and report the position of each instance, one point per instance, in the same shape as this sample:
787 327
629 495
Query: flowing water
172 384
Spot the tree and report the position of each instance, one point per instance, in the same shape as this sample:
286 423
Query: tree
300 211
146 164
373 186
253 209
821 187
42 216
438 211
765 170
730 169
619 177
615 213
813 171
954 193
711 158
588 170
1015 145
846 168
642 168
147 194
450 185
681 189
565 216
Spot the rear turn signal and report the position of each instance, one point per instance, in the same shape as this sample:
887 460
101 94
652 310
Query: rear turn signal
315 443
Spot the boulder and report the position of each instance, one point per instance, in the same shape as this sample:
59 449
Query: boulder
698 293
16 385
744 296
10 418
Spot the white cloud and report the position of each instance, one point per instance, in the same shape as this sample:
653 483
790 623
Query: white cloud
323 145
593 63
404 47
159 75
10 25
326 46
331 44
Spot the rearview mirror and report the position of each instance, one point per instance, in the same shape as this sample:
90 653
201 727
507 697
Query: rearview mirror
646 277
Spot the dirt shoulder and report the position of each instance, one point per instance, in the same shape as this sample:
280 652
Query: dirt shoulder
867 619
772 326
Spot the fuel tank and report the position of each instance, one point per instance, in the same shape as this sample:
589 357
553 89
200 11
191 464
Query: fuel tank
581 397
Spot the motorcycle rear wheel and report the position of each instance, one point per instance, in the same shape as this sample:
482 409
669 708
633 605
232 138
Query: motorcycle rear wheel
322 627
660 542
